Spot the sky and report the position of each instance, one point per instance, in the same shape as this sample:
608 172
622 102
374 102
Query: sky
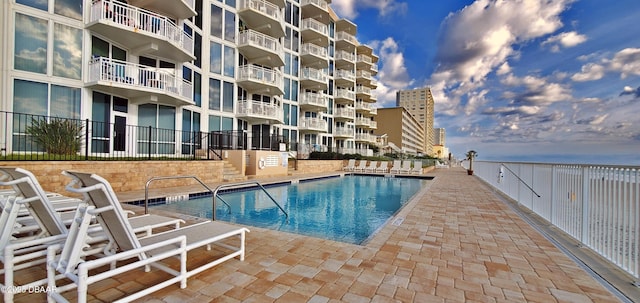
553 81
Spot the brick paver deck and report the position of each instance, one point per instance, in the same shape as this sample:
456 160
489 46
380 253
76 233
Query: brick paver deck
456 242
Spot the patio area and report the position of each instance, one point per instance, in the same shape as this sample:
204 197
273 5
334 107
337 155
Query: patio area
456 241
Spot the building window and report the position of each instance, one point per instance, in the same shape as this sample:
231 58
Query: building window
68 8
214 94
67 49
229 61
215 58
30 53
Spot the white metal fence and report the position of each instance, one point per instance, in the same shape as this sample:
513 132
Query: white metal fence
597 205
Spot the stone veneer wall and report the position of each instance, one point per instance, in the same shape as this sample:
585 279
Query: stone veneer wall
123 175
319 166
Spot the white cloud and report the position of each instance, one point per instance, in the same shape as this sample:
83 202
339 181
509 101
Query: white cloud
393 75
566 40
349 8
479 39
626 62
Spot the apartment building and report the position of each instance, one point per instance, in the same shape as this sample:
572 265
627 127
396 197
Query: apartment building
285 70
419 102
401 129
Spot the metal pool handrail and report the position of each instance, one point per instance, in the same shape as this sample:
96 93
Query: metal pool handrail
215 193
146 192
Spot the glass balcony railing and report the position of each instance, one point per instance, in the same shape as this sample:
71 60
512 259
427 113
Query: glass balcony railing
259 110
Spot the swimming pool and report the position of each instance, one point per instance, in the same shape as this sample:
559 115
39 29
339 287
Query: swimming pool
347 209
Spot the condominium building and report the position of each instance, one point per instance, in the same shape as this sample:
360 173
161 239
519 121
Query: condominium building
419 102
283 71
439 136
401 129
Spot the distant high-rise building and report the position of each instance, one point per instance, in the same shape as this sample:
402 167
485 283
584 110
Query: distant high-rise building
401 128
419 102
439 136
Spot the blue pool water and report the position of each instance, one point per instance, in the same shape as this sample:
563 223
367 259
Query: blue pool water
348 209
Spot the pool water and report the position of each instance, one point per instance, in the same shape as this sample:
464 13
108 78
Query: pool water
347 209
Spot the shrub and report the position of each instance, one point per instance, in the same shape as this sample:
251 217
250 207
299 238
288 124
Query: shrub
57 136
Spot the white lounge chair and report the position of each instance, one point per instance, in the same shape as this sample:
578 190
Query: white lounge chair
362 165
397 165
47 227
103 202
351 165
441 165
406 167
373 165
383 168
417 167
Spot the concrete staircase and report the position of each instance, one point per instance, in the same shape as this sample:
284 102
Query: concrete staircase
231 174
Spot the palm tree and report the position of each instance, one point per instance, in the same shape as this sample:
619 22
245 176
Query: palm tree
470 156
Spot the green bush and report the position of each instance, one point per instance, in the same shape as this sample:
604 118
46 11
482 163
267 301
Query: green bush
57 136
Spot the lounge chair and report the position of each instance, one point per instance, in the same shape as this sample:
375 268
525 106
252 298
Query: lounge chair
351 165
406 167
417 167
361 166
397 165
373 165
383 168
102 202
441 165
48 227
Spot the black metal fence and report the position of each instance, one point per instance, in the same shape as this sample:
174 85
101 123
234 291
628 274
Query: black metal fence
36 137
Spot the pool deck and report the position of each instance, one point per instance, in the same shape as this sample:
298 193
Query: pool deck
456 241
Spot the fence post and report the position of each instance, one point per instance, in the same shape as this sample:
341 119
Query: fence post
149 145
86 140
552 199
585 206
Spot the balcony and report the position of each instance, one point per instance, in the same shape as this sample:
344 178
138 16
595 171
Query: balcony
363 92
344 113
361 121
263 16
344 78
141 30
314 31
314 55
317 9
363 137
364 62
373 111
177 9
312 78
346 41
342 95
260 48
362 106
308 124
258 111
343 132
139 83
344 59
257 79
313 101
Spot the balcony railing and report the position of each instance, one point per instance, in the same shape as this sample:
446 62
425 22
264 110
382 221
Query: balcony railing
133 75
264 7
319 3
363 90
314 75
363 74
347 37
363 121
257 78
363 137
343 132
342 93
141 21
262 15
314 124
345 112
362 106
259 109
315 25
314 99
346 56
345 74
259 40
315 50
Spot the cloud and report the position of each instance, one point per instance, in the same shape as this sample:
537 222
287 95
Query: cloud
628 90
535 91
349 8
626 62
589 72
393 74
566 40
479 39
